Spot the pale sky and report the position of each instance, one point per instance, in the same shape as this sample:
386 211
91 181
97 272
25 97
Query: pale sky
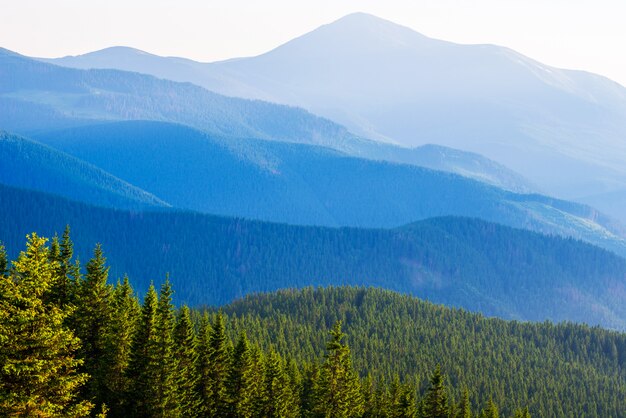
579 34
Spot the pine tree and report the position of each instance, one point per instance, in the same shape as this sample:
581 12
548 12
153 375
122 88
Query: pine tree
125 314
39 374
465 406
522 413
142 369
280 399
92 319
219 361
491 410
338 392
435 403
165 363
186 360
203 365
239 384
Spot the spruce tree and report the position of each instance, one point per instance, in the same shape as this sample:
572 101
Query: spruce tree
91 320
239 383
435 403
125 315
39 374
491 410
338 393
465 406
165 363
279 394
219 362
143 366
185 353
203 364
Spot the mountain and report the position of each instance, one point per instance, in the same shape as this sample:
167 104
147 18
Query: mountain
303 184
556 370
561 129
28 164
36 96
461 262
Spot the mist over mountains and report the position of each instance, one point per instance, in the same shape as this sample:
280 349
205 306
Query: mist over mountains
561 129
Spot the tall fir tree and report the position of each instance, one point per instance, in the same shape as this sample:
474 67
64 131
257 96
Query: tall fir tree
165 364
219 361
465 406
279 394
240 380
91 320
142 369
338 393
491 410
125 315
39 376
435 403
203 364
185 353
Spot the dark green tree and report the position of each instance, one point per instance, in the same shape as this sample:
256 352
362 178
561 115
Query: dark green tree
186 358
435 403
92 320
240 380
165 362
203 364
119 336
219 361
38 373
143 366
338 393
465 406
491 410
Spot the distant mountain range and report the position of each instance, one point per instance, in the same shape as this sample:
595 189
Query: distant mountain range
36 96
564 130
460 262
310 185
31 165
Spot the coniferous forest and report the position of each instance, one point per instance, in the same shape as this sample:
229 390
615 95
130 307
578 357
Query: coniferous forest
73 345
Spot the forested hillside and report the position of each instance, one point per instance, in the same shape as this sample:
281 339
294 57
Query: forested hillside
457 261
303 184
75 344
31 165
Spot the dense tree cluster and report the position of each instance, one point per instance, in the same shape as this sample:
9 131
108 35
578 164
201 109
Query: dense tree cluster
72 345
468 263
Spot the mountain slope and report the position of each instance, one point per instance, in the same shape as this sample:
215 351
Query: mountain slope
460 262
557 371
28 164
561 129
301 184
36 96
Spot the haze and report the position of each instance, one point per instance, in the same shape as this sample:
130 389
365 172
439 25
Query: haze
568 34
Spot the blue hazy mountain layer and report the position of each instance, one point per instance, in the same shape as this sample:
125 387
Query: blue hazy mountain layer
28 164
301 184
462 262
36 96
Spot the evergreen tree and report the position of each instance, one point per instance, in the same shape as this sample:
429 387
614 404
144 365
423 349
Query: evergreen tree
239 384
203 364
125 314
143 366
338 392
165 364
219 361
522 413
92 319
465 406
280 399
491 410
38 377
435 403
186 360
